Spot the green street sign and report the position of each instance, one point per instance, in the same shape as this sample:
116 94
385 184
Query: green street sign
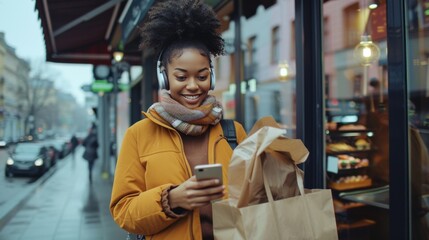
101 86
124 86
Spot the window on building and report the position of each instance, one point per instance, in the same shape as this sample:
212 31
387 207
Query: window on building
353 25
326 35
251 47
357 85
232 68
275 45
250 62
292 41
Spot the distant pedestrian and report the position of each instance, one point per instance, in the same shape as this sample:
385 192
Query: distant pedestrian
74 142
91 145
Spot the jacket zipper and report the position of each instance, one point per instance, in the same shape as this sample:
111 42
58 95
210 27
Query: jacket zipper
189 175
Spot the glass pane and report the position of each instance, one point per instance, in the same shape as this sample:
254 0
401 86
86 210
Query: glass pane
418 109
356 114
268 67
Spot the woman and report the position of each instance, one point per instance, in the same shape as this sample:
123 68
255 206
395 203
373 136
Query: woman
155 192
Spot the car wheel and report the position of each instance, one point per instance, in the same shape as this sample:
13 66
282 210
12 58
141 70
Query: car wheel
42 171
8 174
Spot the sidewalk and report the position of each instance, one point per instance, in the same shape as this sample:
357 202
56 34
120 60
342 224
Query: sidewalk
66 207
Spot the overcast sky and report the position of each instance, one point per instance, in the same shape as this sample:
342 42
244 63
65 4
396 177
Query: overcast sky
23 31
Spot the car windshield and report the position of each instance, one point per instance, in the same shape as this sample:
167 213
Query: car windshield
27 148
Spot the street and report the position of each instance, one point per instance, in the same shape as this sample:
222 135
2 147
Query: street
11 187
59 205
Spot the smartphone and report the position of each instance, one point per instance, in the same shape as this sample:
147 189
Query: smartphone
209 171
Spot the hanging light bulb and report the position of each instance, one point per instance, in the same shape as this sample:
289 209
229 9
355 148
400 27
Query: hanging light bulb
118 55
366 52
374 4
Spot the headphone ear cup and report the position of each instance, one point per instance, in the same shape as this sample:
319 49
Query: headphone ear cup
164 76
212 79
162 79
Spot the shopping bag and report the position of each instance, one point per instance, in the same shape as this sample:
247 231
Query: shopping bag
267 199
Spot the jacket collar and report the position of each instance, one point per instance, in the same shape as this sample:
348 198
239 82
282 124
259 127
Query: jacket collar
156 118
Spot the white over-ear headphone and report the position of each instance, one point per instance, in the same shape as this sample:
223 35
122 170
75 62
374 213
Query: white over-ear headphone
163 80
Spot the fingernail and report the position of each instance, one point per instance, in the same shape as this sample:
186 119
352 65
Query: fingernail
216 181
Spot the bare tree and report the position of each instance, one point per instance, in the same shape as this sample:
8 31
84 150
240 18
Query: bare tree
45 106
37 93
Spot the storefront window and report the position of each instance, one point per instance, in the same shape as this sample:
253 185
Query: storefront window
418 115
356 114
275 45
268 67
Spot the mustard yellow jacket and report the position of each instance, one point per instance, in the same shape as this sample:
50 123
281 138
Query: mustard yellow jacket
152 159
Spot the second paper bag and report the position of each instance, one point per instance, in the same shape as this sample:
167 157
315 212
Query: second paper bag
266 193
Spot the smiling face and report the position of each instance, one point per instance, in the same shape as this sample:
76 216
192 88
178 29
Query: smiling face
189 77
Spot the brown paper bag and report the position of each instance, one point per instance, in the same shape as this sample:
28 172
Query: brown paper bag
266 192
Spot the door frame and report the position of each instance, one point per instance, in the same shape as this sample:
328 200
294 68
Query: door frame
310 105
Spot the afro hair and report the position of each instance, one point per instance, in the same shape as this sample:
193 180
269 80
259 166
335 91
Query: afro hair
174 21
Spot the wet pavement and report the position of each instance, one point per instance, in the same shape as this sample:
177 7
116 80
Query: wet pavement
66 207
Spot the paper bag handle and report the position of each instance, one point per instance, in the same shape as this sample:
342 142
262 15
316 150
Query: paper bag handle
271 202
300 183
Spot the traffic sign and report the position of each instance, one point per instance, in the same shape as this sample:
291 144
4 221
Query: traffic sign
101 86
124 86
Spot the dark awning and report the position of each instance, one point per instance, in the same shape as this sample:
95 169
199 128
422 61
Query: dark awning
80 31
249 7
87 31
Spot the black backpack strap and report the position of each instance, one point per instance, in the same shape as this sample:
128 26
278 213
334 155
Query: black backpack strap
229 132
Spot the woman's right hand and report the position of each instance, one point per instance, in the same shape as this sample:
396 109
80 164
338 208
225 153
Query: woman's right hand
192 194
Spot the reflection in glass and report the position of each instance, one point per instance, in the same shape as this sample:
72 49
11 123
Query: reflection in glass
356 113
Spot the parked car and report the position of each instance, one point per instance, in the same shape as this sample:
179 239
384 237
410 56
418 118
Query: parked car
59 148
3 143
29 159
52 154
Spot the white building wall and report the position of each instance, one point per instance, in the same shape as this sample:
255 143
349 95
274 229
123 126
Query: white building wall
15 73
338 60
272 97
339 63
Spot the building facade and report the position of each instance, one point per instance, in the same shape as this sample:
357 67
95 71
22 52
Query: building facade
14 73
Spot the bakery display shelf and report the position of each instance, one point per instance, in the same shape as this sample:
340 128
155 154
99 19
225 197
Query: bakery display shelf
357 224
342 132
350 185
342 207
377 197
333 153
351 171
